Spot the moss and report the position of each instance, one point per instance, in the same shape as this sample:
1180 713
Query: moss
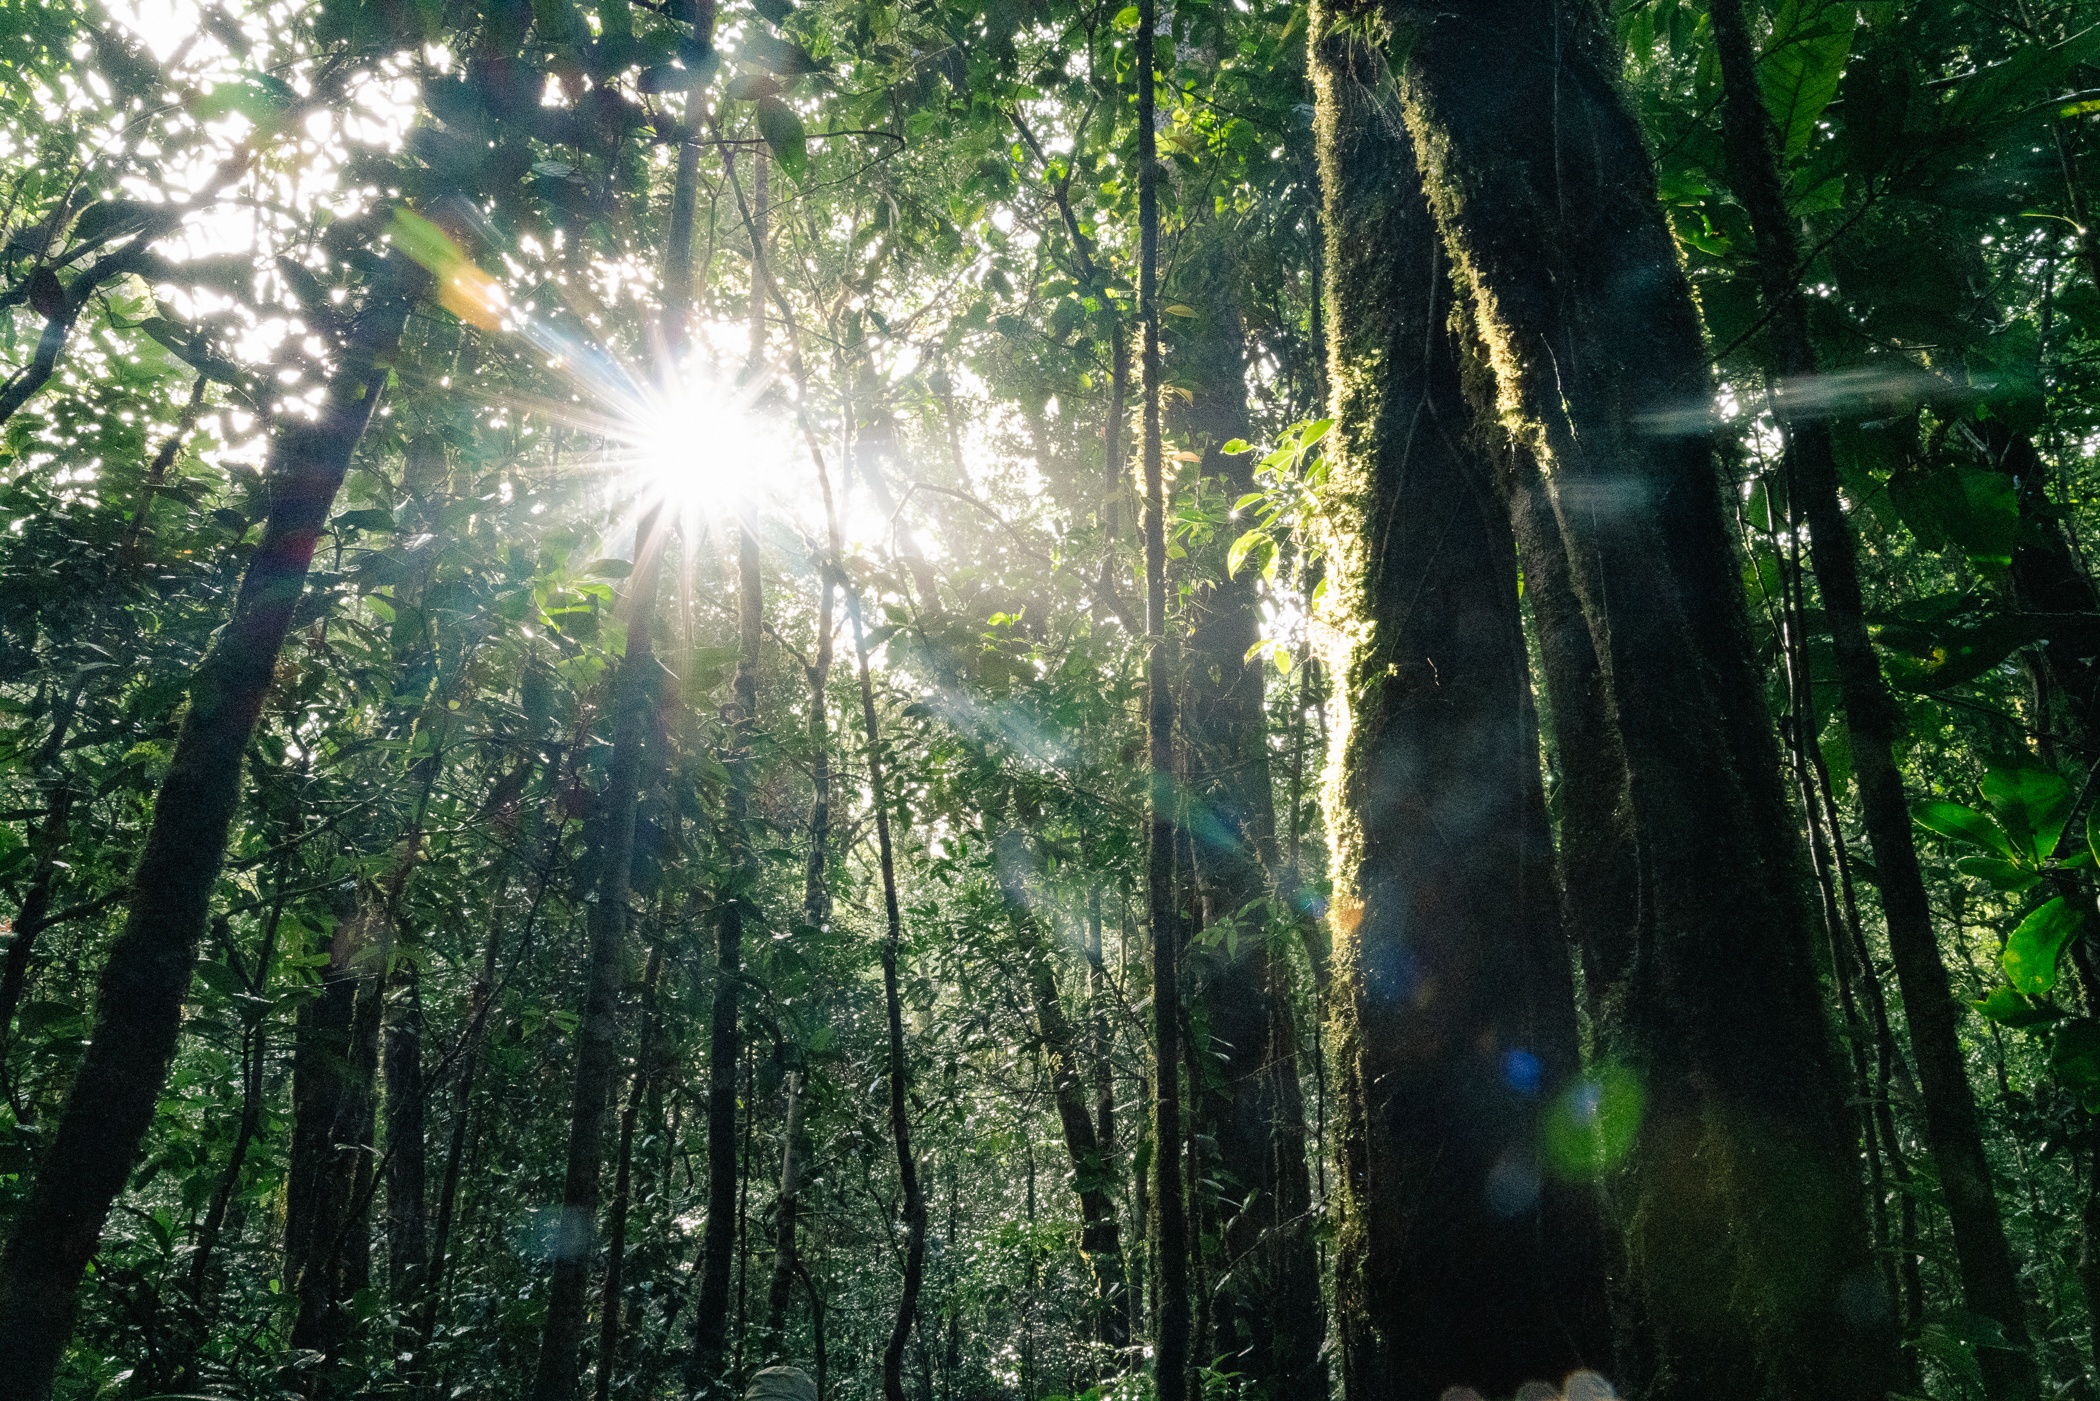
1458 1265
1744 1219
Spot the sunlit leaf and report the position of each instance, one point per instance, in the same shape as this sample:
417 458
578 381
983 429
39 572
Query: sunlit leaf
2001 875
2031 952
783 131
1249 544
1965 824
2032 804
2008 1008
1803 63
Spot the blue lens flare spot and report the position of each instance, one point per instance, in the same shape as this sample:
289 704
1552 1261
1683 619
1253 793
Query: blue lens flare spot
1523 1072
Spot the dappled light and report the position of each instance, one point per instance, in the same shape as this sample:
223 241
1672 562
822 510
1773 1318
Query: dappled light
952 700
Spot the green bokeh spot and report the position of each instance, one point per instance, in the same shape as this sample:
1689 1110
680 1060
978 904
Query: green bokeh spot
1591 1125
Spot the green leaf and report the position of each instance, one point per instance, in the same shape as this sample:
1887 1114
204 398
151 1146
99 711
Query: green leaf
1966 507
2002 875
2031 953
750 87
1934 656
2033 804
376 518
1177 309
783 131
670 77
221 979
1803 64
1962 824
1246 545
2009 1008
1234 447
776 55
2075 1057
1126 18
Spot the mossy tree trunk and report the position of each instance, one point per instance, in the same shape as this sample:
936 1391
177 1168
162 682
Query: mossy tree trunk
1170 1231
1463 1259
1747 1226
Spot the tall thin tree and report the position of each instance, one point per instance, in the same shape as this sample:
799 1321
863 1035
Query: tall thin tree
598 1030
1169 1202
893 1010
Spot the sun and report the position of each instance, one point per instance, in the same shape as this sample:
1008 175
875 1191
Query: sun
703 451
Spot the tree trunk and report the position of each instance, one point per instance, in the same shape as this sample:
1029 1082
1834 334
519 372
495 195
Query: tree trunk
336 1066
816 894
408 1231
1989 1277
759 214
1545 194
705 1369
1092 1173
780 1287
1170 1367
1101 1053
1267 1321
899 1068
610 1300
48 843
597 1035
138 1010
1463 1259
1598 862
321 1176
1116 435
678 256
481 999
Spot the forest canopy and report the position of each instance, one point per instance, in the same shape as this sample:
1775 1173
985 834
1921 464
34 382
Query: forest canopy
1208 700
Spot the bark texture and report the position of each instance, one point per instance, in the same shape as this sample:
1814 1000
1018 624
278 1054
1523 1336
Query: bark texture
1464 1259
1545 195
1170 1232
328 1103
407 1222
